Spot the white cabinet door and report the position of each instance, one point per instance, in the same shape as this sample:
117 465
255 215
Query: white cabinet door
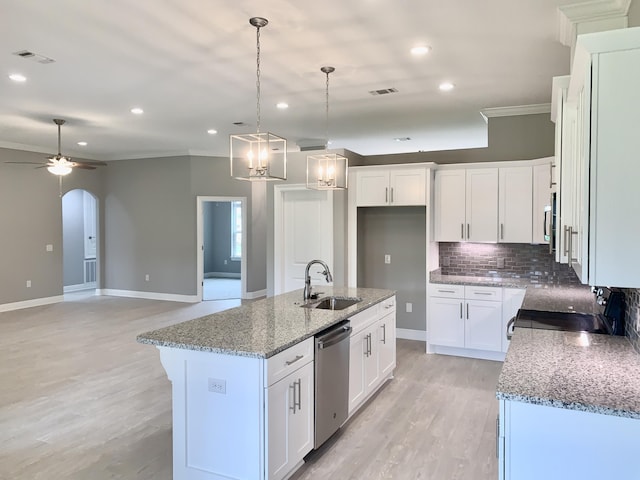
482 205
407 187
512 299
541 204
290 421
358 346
372 188
371 359
446 322
483 325
449 202
515 204
387 344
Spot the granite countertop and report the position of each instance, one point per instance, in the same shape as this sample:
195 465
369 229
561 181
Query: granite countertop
578 371
262 328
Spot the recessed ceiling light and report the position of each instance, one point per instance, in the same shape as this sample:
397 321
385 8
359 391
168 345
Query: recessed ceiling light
212 131
16 77
82 144
446 86
420 50
137 111
282 105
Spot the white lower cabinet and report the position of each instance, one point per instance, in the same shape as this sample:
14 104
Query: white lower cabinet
541 442
290 417
466 318
372 356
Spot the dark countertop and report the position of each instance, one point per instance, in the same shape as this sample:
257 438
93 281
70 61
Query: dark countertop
262 328
573 370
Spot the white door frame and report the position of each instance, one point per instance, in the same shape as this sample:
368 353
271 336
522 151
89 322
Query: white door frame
278 231
200 200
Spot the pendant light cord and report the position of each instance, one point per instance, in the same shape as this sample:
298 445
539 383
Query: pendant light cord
258 78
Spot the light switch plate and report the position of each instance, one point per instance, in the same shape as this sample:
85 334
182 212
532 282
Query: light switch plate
409 307
49 248
387 258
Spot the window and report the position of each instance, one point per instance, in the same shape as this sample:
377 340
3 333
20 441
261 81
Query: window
236 230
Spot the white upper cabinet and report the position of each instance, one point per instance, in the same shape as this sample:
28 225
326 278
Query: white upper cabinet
542 214
390 186
466 205
602 226
515 204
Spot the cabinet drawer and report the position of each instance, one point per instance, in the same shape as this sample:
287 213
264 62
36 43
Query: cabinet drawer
483 293
361 319
446 291
289 360
387 306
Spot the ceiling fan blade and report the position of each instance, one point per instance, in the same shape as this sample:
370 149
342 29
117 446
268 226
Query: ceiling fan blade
27 163
91 162
84 166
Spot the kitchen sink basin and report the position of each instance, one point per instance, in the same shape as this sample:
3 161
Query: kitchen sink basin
333 303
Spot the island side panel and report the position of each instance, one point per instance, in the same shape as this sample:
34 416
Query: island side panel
218 415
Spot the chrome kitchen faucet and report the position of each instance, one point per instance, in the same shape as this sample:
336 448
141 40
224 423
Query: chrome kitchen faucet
307 278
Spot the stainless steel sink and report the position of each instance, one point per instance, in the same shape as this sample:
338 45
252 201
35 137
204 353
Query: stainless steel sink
332 303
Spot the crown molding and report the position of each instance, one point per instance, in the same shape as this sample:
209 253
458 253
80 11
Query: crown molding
516 110
595 10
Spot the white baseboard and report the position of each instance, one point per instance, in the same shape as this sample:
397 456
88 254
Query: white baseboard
36 302
256 294
222 275
79 287
409 334
170 297
466 352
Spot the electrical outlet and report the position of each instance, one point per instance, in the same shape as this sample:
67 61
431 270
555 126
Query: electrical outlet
217 386
446 261
500 262
387 258
409 307
28 283
49 248
225 261
146 277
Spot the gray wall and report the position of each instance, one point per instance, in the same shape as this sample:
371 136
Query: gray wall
217 238
73 238
401 233
31 218
522 137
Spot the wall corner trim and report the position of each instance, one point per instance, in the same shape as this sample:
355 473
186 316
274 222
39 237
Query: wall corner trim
36 302
409 334
256 294
170 297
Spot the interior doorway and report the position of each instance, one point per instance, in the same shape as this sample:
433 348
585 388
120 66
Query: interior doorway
79 241
222 242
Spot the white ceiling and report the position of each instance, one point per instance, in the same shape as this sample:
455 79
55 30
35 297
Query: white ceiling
190 64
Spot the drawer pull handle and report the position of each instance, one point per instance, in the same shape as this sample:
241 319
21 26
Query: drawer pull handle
447 291
291 362
483 293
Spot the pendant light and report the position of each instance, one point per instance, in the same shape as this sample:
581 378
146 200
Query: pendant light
327 171
260 155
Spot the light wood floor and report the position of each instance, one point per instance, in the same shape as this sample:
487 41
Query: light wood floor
80 399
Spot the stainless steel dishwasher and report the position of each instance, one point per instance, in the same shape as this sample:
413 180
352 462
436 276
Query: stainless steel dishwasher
331 380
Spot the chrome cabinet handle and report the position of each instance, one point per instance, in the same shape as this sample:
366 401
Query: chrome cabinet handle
566 242
468 231
462 231
299 403
293 404
369 344
384 333
386 195
551 182
446 291
461 310
467 311
502 231
291 362
498 436
509 328
482 293
391 195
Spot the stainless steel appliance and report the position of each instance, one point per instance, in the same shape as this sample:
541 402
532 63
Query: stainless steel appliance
331 380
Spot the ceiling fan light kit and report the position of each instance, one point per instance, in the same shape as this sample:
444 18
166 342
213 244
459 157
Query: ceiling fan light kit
327 171
261 155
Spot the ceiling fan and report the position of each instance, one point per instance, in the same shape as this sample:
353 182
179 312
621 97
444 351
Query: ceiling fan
61 165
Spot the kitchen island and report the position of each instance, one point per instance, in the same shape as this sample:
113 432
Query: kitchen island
242 380
569 407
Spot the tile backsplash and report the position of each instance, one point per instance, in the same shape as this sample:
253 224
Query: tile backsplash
632 317
506 260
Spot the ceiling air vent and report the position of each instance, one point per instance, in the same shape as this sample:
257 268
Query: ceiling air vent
34 56
240 124
384 91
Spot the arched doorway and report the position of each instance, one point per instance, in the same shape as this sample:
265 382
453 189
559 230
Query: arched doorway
79 241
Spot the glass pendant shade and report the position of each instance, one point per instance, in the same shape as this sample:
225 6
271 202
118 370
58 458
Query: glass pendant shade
327 171
61 166
258 156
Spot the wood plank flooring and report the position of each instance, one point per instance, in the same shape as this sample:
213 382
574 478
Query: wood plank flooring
80 400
